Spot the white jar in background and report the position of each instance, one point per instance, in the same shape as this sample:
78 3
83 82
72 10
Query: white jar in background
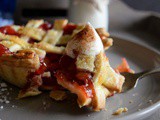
93 11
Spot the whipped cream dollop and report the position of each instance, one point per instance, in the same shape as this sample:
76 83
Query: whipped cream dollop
86 42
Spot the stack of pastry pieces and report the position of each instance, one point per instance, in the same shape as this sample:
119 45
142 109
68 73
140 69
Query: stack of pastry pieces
59 58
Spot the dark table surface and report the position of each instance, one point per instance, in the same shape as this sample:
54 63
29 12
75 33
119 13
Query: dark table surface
144 5
124 19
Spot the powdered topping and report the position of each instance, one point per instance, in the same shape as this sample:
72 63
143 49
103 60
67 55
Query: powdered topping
85 42
4 94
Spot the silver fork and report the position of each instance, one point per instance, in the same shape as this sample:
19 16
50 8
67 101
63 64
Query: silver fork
131 80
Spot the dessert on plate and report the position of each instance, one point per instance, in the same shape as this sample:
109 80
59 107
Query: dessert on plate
61 57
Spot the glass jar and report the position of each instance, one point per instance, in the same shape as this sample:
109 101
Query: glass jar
93 11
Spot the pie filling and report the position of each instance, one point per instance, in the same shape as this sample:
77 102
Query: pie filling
68 29
8 30
4 50
58 66
81 79
62 68
46 26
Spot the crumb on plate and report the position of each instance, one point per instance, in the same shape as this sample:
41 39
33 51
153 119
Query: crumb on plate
120 111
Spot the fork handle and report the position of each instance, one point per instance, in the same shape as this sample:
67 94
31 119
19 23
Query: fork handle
149 72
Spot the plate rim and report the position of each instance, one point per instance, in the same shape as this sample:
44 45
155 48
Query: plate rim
148 110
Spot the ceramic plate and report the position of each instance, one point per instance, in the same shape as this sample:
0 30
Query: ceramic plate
141 102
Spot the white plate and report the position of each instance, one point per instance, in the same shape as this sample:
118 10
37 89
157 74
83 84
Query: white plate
43 108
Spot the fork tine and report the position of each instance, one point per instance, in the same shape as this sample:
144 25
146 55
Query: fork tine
131 81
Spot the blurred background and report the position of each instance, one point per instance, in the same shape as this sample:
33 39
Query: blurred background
137 20
7 8
19 11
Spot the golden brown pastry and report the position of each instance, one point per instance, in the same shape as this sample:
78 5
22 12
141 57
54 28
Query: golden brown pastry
61 57
87 72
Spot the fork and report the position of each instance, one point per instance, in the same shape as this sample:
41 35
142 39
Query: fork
131 80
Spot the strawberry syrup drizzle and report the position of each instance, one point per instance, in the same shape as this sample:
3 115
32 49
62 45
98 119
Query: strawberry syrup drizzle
8 30
49 64
68 29
32 41
82 78
52 62
65 67
46 26
4 50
